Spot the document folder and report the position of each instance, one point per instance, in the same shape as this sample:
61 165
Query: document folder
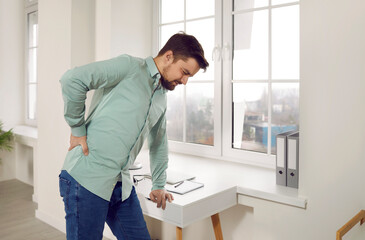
292 177
281 157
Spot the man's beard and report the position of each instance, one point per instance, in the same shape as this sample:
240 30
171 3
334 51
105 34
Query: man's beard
168 85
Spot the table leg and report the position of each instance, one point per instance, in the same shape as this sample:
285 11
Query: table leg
178 233
217 227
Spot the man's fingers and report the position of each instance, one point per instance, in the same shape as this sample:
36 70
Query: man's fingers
153 198
159 201
163 200
161 197
169 197
85 149
75 141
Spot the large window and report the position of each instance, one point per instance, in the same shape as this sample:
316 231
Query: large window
250 92
31 61
193 110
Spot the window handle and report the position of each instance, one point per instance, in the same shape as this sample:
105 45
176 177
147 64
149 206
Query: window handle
226 51
216 53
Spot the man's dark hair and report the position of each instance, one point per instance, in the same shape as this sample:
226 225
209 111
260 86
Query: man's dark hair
185 46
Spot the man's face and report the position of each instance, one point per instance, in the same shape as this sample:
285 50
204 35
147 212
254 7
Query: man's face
178 72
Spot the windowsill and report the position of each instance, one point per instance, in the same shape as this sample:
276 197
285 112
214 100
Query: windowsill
252 181
26 135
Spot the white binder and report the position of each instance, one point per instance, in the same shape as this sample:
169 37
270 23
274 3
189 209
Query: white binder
281 157
292 176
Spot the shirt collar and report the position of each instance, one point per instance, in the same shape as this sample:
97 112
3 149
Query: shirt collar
152 68
155 74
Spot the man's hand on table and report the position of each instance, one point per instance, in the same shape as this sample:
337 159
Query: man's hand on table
159 196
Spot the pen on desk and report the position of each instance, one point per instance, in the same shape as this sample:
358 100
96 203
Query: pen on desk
179 184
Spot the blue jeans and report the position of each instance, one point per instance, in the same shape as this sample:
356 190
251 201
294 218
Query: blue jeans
86 212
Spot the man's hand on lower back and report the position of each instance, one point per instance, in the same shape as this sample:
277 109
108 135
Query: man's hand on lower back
159 196
75 141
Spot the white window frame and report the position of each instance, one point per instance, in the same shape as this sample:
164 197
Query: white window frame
223 131
183 147
30 7
250 157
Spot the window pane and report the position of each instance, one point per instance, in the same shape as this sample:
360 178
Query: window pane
285 42
250 60
285 109
200 113
199 8
250 111
203 30
172 10
174 114
32 101
248 4
33 29
276 2
169 30
32 65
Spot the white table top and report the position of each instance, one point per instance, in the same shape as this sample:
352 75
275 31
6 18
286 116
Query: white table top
222 182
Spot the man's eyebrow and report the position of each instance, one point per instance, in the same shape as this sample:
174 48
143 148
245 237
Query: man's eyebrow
187 71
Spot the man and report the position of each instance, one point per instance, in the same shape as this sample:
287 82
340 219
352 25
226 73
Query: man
129 105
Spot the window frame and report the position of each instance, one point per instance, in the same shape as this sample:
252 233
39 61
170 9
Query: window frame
31 6
223 101
245 156
192 148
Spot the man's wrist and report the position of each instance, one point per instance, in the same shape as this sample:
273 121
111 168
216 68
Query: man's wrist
157 188
78 131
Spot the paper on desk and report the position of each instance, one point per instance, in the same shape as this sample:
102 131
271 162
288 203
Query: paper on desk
185 187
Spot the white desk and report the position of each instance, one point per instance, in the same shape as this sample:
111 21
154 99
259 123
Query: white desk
223 181
188 208
208 201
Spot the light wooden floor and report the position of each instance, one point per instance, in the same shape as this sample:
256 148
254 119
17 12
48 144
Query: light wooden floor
17 220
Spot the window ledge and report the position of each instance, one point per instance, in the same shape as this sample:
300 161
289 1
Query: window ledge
251 181
278 194
26 135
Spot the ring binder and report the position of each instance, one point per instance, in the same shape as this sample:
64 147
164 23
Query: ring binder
292 177
281 157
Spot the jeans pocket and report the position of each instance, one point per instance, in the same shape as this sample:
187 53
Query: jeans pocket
64 185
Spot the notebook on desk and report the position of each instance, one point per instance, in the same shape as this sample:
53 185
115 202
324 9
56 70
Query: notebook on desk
184 187
174 177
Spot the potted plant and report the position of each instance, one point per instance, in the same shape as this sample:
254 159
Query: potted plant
6 139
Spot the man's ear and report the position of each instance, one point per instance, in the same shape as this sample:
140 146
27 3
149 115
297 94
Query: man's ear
169 57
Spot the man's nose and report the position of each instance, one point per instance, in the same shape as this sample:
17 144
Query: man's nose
184 80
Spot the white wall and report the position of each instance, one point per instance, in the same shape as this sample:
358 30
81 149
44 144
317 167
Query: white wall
332 116
66 39
11 74
102 29
72 33
332 119
131 27
54 58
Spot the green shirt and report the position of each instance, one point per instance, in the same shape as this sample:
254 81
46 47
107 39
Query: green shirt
128 106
